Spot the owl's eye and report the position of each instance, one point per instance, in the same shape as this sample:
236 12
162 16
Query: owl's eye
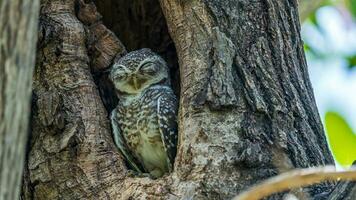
118 72
149 68
119 68
119 76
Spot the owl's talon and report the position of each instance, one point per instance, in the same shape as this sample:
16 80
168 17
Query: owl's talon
145 175
133 173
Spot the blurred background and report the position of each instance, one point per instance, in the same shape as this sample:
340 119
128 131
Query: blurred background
329 34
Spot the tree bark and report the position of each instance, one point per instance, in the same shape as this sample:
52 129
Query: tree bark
71 153
245 93
247 110
18 34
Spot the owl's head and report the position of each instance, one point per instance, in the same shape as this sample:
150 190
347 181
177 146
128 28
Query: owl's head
138 70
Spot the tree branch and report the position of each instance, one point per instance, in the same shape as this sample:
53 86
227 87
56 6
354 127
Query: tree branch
295 179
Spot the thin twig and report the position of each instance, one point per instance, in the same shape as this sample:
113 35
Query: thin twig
294 179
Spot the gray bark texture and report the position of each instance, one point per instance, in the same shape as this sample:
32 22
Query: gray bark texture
18 35
247 110
71 155
247 105
343 191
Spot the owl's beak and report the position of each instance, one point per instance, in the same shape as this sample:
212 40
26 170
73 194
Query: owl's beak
135 83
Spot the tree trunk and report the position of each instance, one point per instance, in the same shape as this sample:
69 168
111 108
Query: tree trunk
18 34
72 154
247 110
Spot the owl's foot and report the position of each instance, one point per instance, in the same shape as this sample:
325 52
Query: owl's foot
157 173
144 175
133 173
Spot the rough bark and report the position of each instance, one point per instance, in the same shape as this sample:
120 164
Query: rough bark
296 179
245 94
18 34
343 191
71 152
247 110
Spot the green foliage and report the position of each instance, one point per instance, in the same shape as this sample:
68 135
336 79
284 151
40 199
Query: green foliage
313 20
351 61
342 139
351 5
312 51
347 5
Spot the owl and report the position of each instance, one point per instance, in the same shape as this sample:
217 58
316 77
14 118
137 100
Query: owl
145 120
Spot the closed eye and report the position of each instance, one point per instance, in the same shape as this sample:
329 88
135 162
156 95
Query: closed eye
149 68
119 72
119 76
120 68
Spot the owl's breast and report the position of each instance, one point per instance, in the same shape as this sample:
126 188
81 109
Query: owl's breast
139 124
138 121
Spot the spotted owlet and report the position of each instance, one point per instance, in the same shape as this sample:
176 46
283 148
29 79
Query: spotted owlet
144 122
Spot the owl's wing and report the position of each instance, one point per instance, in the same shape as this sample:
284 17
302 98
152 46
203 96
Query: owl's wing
167 120
120 142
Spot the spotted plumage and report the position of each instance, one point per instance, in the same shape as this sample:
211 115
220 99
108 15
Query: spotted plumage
144 122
